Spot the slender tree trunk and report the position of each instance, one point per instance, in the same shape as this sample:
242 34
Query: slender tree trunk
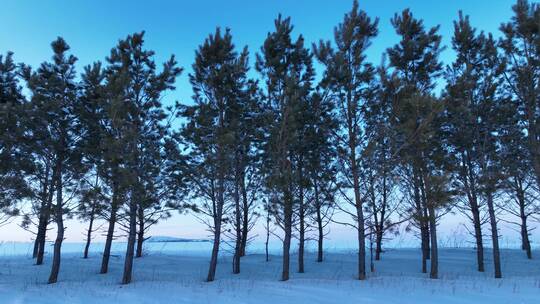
140 232
130 250
360 217
520 194
110 231
525 237
42 230
470 179
267 235
89 234
434 271
245 215
494 235
59 218
320 231
238 226
478 237
378 244
421 219
302 228
217 233
287 239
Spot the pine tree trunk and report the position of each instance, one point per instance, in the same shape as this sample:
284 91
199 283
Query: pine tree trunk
434 271
478 237
525 237
89 234
287 225
494 236
302 230
238 227
110 232
378 244
42 229
128 262
59 218
140 233
320 232
40 239
360 217
215 251
217 232
525 242
267 236
425 246
245 215
475 210
48 188
320 236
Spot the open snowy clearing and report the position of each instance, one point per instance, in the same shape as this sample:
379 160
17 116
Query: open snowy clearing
174 273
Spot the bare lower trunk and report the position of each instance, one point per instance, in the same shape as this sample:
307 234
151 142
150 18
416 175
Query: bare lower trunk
238 229
434 271
89 235
267 236
42 229
59 218
109 239
320 236
378 244
217 234
478 237
302 232
425 246
494 236
245 215
41 233
287 239
360 226
130 250
526 243
286 253
215 251
140 233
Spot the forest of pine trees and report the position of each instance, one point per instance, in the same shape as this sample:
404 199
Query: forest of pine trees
389 145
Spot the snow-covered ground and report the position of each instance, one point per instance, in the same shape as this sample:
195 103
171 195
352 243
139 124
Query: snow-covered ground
175 272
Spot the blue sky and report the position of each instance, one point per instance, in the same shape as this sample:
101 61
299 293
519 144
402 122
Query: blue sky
92 28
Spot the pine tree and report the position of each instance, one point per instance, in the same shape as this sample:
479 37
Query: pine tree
468 78
521 58
414 61
134 83
54 106
476 116
212 133
350 79
286 68
321 167
14 162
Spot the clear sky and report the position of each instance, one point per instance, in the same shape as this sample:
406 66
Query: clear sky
92 28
